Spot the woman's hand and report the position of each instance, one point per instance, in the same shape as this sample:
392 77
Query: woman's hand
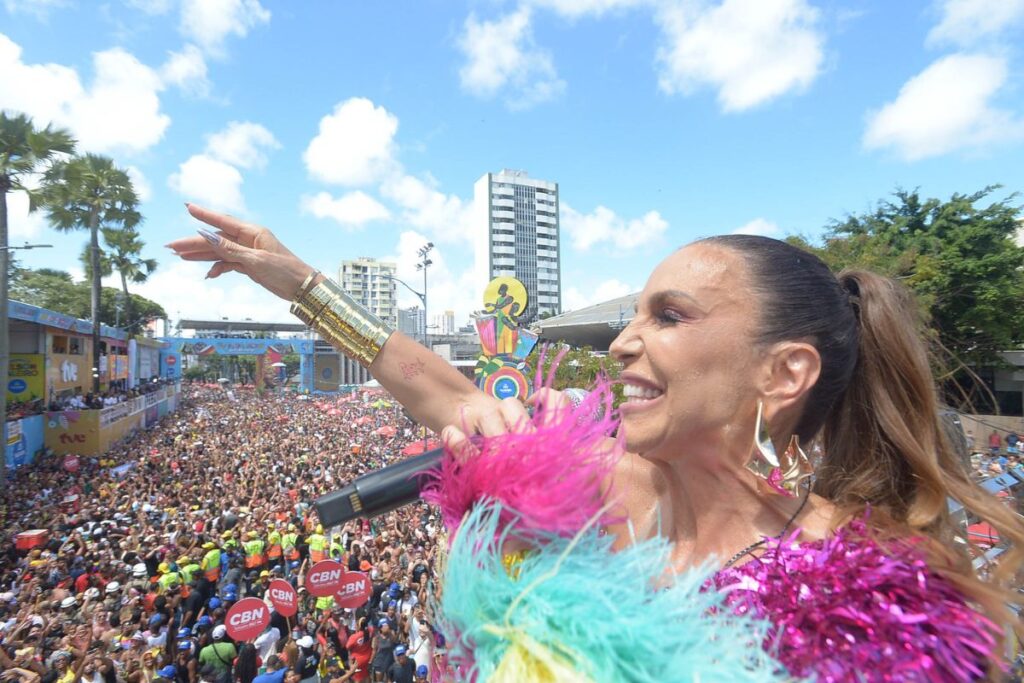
487 417
245 248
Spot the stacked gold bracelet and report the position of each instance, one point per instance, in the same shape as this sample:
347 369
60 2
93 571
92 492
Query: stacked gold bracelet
342 322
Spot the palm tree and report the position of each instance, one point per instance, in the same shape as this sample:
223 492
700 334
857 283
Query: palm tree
125 257
23 150
85 258
86 193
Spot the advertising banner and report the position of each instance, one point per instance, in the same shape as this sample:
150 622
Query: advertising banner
68 372
73 431
328 371
240 347
26 377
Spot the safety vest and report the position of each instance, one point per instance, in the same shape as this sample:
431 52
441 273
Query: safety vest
336 549
317 548
325 603
188 571
289 541
211 565
167 580
254 554
274 541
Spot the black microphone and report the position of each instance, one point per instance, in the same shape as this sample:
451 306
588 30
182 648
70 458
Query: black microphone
391 487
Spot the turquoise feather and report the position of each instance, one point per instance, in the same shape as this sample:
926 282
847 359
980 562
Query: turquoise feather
601 610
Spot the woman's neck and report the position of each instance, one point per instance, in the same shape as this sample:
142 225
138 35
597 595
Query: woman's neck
706 506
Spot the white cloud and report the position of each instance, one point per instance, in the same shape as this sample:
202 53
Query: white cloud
573 299
187 70
38 8
21 224
118 113
445 289
944 108
210 182
604 225
964 22
242 144
139 182
758 226
352 210
208 23
446 216
154 7
181 288
751 51
354 145
502 55
574 9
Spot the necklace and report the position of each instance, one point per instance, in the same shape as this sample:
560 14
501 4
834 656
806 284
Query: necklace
758 544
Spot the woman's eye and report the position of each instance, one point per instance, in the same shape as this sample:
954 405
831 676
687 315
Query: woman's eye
669 315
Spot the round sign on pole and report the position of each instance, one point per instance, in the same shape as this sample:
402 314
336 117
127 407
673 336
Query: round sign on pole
247 618
283 597
324 578
355 590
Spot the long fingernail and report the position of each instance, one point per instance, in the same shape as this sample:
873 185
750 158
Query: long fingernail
213 239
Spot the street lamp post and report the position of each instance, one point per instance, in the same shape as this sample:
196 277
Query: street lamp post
423 264
5 340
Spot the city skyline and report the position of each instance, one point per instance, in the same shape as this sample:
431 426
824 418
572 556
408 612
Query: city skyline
360 128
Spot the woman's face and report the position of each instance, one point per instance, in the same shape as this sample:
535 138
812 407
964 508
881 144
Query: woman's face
688 361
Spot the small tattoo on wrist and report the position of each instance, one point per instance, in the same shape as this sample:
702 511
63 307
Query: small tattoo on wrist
413 369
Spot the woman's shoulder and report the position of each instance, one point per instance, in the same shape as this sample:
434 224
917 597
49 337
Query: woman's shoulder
852 602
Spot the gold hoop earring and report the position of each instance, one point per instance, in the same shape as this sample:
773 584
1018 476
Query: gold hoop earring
779 475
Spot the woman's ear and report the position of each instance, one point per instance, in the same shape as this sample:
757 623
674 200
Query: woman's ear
794 368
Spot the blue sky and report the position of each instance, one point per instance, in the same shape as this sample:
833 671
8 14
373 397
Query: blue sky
359 128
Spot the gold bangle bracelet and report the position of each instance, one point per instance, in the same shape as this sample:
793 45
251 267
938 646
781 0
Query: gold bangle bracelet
342 322
305 285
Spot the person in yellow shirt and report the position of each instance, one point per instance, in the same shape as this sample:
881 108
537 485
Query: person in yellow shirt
274 548
211 563
188 568
317 545
168 579
253 549
290 544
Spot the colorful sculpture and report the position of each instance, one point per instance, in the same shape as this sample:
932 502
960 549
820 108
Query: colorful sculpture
502 369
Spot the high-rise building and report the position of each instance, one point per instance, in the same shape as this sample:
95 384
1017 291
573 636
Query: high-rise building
410 321
367 281
517 234
445 323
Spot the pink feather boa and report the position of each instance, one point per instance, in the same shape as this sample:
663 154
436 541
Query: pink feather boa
547 473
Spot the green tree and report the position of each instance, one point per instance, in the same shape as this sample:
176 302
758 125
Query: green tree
961 259
577 367
57 291
125 256
24 151
86 193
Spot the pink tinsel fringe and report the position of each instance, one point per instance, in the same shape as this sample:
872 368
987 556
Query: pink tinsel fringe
547 475
847 609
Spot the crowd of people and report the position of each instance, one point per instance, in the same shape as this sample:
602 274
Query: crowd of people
180 522
82 400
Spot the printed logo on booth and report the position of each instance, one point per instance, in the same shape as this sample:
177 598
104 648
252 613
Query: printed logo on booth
247 618
325 578
355 590
283 597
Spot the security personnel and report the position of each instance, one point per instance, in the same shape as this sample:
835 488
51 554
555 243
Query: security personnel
317 545
274 549
290 544
253 549
168 578
211 562
336 548
188 568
